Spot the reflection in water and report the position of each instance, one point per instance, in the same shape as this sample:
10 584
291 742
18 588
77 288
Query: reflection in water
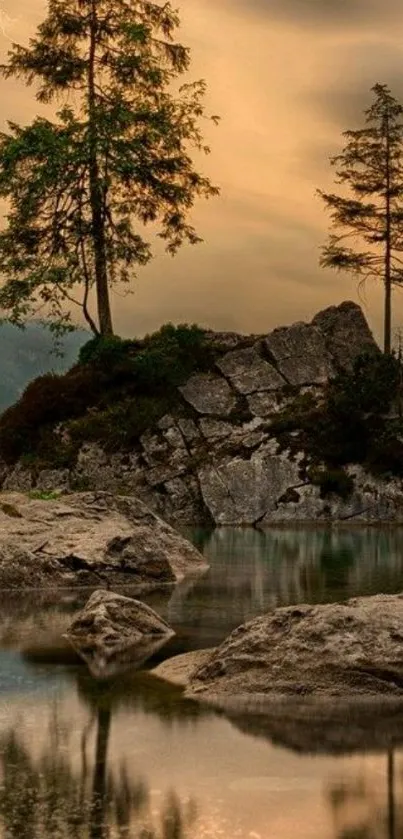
359 812
44 797
131 759
253 571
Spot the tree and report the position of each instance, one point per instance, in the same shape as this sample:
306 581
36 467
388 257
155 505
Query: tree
371 165
83 188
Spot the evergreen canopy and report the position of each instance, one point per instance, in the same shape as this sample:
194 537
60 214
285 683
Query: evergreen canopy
82 188
371 214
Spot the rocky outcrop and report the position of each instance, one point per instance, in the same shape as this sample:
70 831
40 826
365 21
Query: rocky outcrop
85 539
248 372
245 490
217 459
343 651
113 631
209 394
300 354
346 332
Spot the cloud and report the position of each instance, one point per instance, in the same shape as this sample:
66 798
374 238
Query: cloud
324 13
344 93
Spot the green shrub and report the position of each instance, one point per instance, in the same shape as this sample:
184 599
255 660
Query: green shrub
301 413
119 425
105 352
169 356
332 481
117 390
44 495
352 423
47 401
369 388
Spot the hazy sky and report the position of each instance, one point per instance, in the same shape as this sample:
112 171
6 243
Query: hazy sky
287 77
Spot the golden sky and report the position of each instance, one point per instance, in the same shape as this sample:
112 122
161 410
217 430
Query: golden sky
287 77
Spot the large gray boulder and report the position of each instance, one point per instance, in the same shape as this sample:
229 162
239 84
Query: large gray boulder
346 332
243 491
342 651
113 631
248 372
87 539
209 394
300 354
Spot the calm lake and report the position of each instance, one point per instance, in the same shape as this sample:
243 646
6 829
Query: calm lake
132 759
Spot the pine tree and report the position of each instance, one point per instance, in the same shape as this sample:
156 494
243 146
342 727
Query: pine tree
81 189
371 166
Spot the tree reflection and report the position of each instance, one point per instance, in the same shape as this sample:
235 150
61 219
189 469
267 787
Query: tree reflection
356 799
51 797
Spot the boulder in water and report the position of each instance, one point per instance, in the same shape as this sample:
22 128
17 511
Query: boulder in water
112 632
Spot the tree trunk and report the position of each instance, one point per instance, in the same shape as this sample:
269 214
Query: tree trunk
391 796
388 316
98 808
96 194
388 250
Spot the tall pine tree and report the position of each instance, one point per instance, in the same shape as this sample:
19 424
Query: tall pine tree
82 188
371 167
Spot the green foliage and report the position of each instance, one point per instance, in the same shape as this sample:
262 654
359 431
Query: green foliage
116 391
44 495
170 356
351 424
356 426
117 158
332 481
118 426
296 415
369 388
354 420
104 351
371 211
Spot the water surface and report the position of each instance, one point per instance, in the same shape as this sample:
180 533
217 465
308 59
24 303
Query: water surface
132 759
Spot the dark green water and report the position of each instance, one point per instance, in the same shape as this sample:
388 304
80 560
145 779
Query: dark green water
134 760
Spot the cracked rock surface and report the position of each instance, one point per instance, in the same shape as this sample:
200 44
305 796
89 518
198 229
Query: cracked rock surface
113 630
332 651
85 539
216 459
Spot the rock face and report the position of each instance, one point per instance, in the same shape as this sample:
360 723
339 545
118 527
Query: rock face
245 490
300 354
345 331
248 372
217 460
113 631
209 394
87 539
345 651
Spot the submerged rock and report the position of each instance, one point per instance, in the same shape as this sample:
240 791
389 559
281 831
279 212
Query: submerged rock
179 669
85 539
341 651
113 632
